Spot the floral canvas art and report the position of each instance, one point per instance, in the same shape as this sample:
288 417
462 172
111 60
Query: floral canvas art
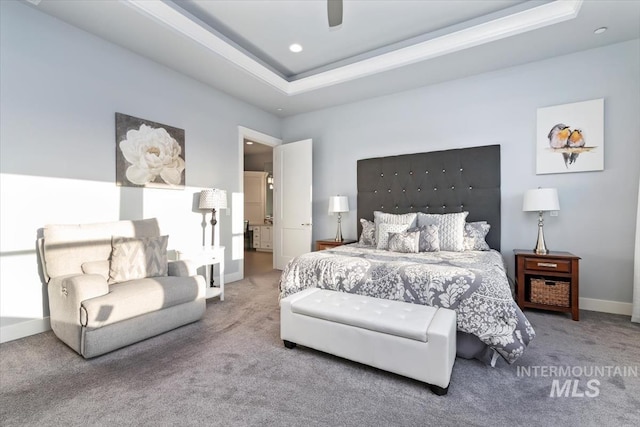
148 154
570 138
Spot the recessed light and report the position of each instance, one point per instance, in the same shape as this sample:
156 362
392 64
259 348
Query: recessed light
279 109
249 143
600 30
295 48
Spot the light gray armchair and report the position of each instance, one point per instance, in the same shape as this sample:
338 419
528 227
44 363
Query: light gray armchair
110 285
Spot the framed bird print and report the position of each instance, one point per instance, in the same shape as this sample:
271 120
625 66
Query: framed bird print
570 138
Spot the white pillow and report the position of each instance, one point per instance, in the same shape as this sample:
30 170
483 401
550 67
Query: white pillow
409 219
136 258
450 229
383 233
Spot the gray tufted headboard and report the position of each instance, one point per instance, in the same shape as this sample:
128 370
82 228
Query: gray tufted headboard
466 179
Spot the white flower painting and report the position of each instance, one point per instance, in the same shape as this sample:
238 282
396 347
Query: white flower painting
148 154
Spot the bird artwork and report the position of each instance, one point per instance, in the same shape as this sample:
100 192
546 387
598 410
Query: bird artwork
559 135
570 137
576 140
570 143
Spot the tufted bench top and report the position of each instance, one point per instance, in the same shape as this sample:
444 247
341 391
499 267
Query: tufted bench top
397 318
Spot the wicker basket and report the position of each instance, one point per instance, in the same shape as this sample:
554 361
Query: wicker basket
550 292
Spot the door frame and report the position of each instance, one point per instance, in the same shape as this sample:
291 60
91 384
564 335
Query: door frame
261 138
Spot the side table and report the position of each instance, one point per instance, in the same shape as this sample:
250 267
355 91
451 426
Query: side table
208 256
552 268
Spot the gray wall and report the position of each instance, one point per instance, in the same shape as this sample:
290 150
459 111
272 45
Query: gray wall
60 90
597 217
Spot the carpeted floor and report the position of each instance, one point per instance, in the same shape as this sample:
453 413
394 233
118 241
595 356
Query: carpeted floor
231 369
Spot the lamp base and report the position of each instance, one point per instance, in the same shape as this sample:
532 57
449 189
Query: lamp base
339 232
214 221
541 247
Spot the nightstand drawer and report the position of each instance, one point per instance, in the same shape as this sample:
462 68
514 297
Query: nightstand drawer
321 245
561 265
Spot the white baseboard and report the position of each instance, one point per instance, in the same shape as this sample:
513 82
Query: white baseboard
24 329
605 306
36 326
233 277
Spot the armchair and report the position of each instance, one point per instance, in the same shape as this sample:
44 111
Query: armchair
111 285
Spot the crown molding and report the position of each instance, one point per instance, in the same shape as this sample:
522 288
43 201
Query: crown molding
497 29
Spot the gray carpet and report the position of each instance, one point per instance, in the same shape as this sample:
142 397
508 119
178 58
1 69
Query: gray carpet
231 369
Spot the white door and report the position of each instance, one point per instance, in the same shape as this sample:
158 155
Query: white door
292 174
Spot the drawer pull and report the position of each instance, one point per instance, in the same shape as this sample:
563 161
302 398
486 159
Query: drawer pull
547 264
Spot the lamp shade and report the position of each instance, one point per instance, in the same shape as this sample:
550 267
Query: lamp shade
541 199
338 204
213 199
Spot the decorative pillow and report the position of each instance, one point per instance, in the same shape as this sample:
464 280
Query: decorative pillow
429 238
386 218
137 258
97 267
406 242
368 235
474 236
450 229
383 233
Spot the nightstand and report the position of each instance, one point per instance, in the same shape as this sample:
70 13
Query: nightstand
548 282
321 245
208 256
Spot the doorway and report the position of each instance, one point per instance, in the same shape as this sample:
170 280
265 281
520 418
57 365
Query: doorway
258 207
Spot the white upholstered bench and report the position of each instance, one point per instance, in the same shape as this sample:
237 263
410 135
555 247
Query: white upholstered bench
411 340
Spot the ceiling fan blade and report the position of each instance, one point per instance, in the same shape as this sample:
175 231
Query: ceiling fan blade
334 12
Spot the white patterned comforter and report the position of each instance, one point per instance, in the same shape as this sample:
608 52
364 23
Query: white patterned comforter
472 283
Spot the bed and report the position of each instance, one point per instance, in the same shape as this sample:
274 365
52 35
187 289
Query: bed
414 190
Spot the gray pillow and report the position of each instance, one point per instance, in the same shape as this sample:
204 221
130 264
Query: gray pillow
137 258
474 236
450 229
405 242
383 233
368 235
429 238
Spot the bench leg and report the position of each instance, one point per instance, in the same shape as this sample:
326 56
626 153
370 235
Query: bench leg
438 390
289 344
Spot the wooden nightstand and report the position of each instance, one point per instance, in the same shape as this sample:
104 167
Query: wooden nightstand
321 245
554 268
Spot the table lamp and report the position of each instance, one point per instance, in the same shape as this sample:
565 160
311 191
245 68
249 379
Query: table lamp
338 204
541 200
